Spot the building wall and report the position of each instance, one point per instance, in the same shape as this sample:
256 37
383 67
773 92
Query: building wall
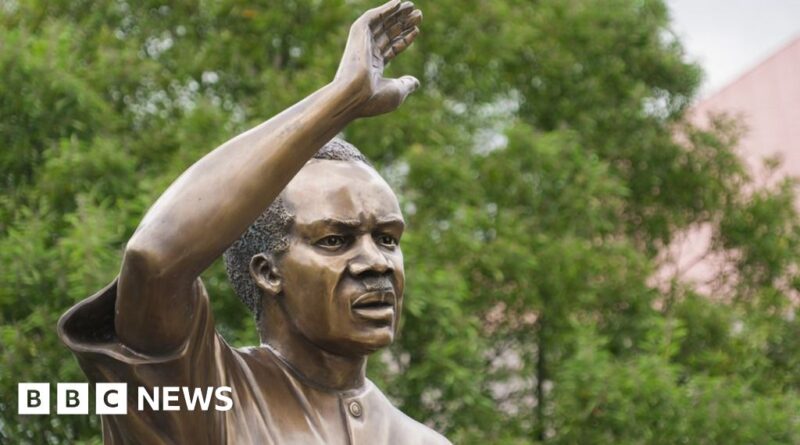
767 100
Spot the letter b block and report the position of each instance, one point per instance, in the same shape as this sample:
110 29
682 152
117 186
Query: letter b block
33 398
72 398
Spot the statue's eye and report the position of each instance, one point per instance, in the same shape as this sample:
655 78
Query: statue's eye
331 242
387 240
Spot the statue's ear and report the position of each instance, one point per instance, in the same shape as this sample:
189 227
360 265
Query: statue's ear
264 271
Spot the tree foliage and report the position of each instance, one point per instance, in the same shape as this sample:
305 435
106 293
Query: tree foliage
544 163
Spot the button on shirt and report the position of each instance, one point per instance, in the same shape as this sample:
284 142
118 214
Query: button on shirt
355 408
272 404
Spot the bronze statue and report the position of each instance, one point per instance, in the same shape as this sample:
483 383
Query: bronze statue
310 233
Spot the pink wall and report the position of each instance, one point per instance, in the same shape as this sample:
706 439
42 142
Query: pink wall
767 99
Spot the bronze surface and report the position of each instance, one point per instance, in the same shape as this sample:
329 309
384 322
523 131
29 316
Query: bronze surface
332 298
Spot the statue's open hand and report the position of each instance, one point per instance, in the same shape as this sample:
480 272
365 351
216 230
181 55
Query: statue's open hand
376 38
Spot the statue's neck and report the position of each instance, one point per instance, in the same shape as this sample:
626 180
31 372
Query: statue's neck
313 364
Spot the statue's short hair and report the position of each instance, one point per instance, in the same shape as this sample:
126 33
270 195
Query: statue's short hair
270 232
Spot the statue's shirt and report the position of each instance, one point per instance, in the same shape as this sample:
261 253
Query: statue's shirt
271 403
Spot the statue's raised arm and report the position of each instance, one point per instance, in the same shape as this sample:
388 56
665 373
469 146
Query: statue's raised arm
311 235
209 206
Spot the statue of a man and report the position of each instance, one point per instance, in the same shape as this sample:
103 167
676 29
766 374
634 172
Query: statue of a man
310 233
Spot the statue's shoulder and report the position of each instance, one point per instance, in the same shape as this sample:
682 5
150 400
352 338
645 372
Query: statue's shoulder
408 430
423 434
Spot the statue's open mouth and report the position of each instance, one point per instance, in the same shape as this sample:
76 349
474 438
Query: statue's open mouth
375 305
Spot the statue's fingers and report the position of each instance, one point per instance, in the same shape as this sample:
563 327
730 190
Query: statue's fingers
413 19
384 39
388 55
394 30
376 16
405 85
399 44
405 23
408 24
391 93
399 15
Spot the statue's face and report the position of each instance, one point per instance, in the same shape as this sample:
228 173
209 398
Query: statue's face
342 275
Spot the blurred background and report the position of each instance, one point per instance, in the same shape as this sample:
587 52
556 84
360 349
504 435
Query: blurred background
602 248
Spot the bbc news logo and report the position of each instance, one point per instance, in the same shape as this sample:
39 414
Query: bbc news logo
112 398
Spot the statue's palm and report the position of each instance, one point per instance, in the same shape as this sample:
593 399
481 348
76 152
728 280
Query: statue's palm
375 39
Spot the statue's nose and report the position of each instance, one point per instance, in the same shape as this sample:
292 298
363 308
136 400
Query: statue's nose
368 258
